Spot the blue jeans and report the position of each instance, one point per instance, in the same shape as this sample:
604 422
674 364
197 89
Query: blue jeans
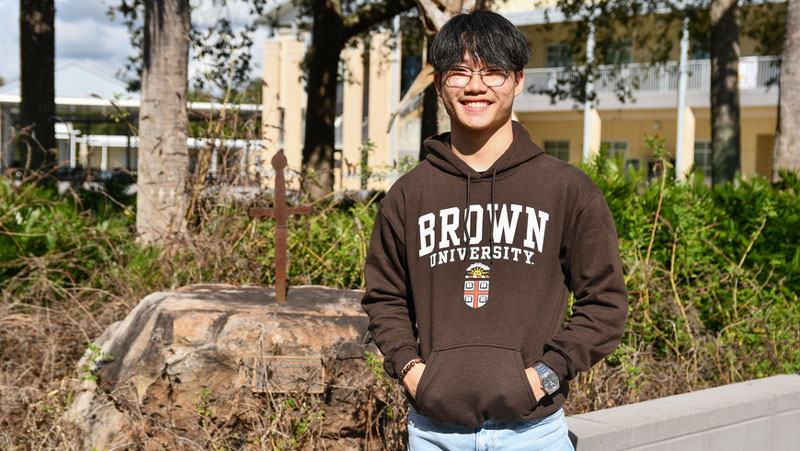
544 434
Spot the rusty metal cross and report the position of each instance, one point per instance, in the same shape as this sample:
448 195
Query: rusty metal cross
280 212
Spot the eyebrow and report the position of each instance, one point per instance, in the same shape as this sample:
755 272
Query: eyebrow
491 66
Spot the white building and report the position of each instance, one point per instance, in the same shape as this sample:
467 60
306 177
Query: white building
97 120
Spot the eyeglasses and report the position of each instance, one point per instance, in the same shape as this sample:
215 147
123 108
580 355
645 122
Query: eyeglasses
460 76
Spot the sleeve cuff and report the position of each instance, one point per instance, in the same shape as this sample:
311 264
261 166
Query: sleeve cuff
399 359
558 363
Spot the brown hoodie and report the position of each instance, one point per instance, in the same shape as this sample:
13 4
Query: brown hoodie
482 296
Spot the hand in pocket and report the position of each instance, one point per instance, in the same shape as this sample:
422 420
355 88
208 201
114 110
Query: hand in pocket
411 381
536 383
468 384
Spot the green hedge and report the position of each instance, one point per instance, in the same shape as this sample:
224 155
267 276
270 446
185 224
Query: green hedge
718 279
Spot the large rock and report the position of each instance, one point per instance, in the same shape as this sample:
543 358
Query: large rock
179 368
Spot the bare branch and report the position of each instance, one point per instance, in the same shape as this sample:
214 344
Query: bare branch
373 13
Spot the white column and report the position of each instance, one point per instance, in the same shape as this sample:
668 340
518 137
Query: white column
352 115
245 150
379 98
73 158
6 152
395 94
679 142
104 158
587 106
2 140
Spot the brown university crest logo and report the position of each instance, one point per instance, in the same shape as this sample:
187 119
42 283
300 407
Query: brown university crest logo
476 285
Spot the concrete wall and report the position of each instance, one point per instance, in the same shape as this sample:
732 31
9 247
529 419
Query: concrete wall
757 415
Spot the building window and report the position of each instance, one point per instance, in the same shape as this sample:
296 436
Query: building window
557 149
702 156
633 162
614 148
558 55
63 150
699 53
618 52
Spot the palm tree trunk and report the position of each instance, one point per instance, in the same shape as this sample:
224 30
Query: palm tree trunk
786 153
37 70
725 125
163 119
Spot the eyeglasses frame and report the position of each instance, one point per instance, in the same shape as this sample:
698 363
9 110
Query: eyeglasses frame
473 71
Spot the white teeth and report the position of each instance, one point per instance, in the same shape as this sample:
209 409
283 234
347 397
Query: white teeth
476 104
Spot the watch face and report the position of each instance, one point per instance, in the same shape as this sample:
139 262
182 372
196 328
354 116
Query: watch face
549 379
550 383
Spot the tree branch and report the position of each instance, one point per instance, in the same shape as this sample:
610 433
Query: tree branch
373 13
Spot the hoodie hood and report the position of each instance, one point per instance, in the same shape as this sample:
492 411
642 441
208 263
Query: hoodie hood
522 149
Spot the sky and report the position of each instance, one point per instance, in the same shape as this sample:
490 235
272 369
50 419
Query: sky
85 33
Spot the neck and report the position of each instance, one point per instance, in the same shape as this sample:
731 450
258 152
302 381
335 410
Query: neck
481 148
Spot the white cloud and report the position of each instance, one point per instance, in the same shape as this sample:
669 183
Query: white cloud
104 45
205 14
9 40
85 33
80 10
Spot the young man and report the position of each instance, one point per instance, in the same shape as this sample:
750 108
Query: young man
473 256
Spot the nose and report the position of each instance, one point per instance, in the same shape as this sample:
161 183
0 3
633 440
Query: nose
475 84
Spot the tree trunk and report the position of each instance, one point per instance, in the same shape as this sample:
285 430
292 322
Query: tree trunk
786 154
725 125
429 123
326 44
37 70
163 156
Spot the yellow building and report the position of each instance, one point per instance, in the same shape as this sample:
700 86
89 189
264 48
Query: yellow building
560 128
367 94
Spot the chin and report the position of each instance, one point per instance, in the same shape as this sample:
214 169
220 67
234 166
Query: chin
482 125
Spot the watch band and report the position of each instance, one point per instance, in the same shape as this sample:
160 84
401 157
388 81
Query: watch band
549 379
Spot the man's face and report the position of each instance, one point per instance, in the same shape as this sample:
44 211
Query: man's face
477 107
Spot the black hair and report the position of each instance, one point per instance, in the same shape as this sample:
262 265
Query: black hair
486 36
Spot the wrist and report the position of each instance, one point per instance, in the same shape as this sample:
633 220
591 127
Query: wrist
547 378
407 367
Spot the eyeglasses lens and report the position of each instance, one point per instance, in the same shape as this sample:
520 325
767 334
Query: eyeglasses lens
459 77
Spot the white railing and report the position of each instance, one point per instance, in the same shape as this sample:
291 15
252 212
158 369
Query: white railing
754 72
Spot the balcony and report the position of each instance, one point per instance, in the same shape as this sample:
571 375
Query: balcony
655 86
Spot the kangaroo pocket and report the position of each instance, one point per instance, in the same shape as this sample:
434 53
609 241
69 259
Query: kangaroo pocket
469 384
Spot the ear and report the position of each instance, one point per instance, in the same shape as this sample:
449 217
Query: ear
437 81
519 79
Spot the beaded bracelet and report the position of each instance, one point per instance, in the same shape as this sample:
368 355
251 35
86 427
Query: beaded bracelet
408 367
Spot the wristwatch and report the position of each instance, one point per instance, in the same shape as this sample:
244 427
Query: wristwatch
549 379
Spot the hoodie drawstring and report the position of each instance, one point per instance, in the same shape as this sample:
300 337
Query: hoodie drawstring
492 213
464 228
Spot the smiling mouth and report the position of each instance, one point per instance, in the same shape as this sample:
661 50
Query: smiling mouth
476 104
